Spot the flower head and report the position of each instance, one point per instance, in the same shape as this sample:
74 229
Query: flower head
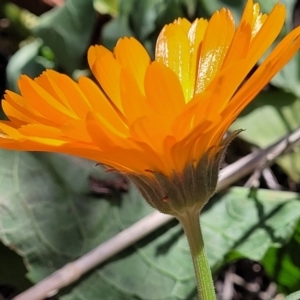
148 117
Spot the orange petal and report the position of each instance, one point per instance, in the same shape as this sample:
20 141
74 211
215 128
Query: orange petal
173 50
71 95
96 51
251 22
195 36
223 87
40 130
42 101
282 53
15 115
267 34
76 130
133 56
163 91
240 44
107 71
183 123
184 24
104 133
9 132
45 143
133 100
218 36
131 161
101 105
49 80
16 105
151 130
247 16
97 99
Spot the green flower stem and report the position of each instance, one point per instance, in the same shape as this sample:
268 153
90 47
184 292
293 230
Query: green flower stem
192 229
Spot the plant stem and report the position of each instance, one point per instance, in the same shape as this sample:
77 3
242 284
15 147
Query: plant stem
192 229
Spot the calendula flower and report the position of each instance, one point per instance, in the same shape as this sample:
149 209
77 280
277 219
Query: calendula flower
164 118
161 122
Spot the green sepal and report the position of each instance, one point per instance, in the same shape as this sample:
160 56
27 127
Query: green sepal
192 189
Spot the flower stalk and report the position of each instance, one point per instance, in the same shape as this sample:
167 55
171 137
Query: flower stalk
191 225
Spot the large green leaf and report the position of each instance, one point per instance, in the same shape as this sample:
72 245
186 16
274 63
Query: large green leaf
283 264
143 20
294 296
27 60
249 223
118 27
270 116
50 214
19 19
107 6
67 31
12 270
289 77
208 7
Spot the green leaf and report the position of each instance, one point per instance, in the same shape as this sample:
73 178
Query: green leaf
289 77
210 6
283 264
107 6
114 30
67 31
294 296
12 269
118 27
270 116
51 215
25 61
249 223
20 19
143 20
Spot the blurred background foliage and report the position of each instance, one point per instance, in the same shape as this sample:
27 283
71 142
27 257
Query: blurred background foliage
55 208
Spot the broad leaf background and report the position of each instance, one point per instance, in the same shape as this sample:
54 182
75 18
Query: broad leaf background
51 213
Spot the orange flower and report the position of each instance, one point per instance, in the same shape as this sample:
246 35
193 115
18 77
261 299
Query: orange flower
158 116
